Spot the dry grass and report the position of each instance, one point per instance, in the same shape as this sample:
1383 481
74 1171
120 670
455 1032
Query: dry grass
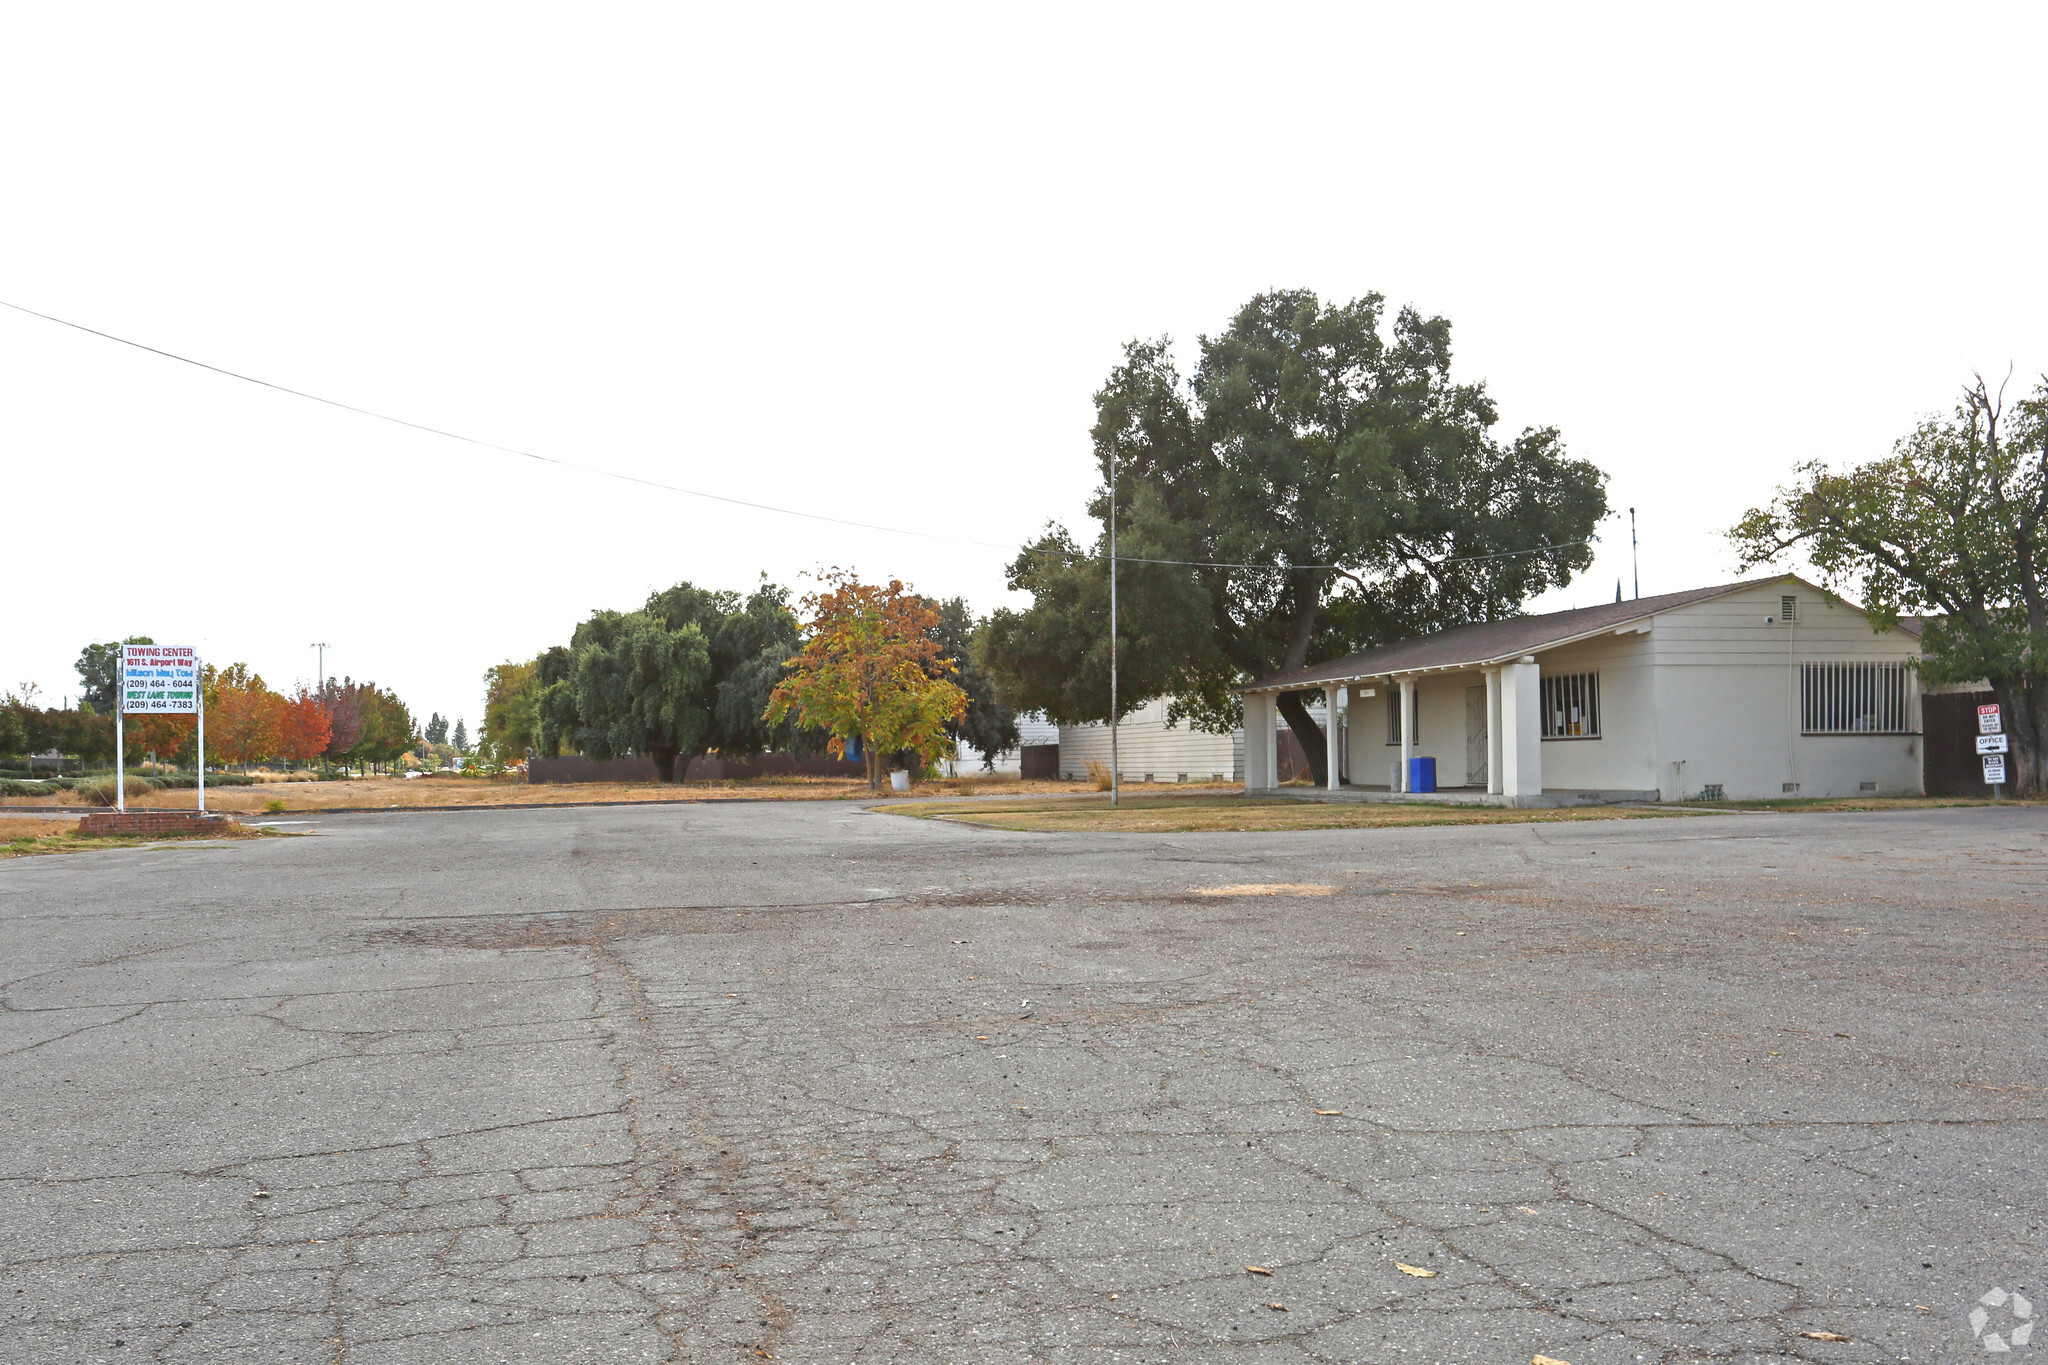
427 792
1193 815
24 838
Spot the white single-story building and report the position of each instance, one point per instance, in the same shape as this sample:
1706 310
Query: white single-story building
1032 728
1148 749
1767 688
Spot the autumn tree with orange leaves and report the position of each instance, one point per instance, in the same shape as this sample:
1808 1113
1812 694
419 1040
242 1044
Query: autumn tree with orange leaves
305 730
244 718
870 670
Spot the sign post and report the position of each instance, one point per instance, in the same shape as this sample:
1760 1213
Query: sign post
1992 746
159 680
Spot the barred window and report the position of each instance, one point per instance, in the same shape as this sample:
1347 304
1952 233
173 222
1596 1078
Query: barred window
1855 699
1571 706
1394 715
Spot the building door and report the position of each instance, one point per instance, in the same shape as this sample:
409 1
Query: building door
1949 765
1476 738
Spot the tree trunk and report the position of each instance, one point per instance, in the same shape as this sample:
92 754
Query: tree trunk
2024 712
664 758
1295 709
874 761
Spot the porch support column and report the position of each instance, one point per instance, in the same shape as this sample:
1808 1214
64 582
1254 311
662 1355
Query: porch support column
1493 748
1260 755
1521 737
1360 731
1407 727
1330 751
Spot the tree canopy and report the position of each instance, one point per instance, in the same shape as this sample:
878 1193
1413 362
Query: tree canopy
99 672
870 669
689 672
1318 485
986 724
1952 527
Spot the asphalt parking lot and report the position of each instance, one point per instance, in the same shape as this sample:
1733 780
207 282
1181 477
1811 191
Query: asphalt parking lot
802 1082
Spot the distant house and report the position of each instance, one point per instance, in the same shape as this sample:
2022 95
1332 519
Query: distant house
1151 750
1756 689
1033 730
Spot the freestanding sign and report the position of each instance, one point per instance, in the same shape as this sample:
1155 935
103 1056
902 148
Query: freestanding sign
1993 744
1989 721
1994 770
158 680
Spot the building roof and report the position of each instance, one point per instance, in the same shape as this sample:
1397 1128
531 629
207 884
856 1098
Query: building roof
1486 643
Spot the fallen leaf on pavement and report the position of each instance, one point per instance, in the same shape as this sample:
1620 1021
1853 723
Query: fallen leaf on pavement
1415 1270
1525 1208
1549 1360
1277 1307
1330 1113
1258 1270
1823 1336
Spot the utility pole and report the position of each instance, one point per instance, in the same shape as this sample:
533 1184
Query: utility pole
1635 560
1115 775
320 683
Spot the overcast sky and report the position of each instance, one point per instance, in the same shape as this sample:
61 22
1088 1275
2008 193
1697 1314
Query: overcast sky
872 263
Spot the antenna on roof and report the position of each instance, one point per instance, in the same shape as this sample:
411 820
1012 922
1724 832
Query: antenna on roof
1634 559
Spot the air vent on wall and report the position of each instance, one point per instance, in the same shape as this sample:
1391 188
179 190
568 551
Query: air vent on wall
1788 609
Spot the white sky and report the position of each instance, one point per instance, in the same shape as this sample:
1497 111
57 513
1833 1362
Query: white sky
874 264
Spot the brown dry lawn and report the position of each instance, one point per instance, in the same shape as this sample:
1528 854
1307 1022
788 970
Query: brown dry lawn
21 837
1191 815
428 792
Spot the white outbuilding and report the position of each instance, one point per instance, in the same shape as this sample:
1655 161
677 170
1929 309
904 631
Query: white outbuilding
1768 688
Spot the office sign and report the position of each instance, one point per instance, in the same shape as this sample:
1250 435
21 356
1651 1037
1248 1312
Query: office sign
160 679
1994 769
1993 744
1989 721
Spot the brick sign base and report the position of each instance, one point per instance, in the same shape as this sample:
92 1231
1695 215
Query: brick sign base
152 822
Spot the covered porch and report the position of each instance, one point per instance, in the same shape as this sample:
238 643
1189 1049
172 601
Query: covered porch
1483 726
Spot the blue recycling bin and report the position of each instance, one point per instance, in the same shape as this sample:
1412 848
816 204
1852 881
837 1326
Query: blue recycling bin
1422 774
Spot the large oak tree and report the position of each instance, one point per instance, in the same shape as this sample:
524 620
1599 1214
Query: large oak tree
1318 485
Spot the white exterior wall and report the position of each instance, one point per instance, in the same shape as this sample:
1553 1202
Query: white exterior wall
1727 699
1625 756
1032 728
1147 744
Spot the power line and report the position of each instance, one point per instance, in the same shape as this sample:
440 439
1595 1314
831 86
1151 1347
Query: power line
492 445
694 492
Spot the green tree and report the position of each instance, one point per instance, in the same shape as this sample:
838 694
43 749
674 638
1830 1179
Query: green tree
461 735
688 673
99 673
437 729
1952 526
388 728
987 724
1318 486
632 688
509 696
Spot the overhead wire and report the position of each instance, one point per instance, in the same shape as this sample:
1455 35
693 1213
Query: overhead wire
493 445
694 492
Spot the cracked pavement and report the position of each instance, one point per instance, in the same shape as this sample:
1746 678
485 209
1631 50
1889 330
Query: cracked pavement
803 1082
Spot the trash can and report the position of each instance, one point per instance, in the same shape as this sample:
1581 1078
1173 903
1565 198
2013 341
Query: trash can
900 780
1422 774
